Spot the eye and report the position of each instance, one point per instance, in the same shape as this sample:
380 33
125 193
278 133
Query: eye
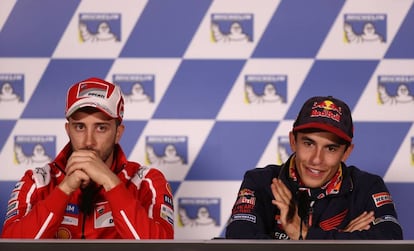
79 127
332 148
102 128
308 143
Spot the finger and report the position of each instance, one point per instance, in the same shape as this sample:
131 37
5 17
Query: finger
360 223
281 191
82 160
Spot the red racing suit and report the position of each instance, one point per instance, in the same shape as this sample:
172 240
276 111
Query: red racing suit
140 207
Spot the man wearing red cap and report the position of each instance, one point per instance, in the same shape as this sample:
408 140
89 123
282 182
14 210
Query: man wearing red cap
314 195
91 190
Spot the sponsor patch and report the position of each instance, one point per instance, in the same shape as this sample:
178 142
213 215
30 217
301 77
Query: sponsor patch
281 236
334 221
167 214
168 200
12 206
13 196
381 199
243 209
11 214
385 218
63 233
244 217
103 215
68 220
18 186
246 196
72 209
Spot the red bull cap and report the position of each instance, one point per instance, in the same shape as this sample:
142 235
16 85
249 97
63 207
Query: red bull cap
97 93
327 114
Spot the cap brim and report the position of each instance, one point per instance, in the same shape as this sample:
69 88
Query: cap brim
324 127
92 105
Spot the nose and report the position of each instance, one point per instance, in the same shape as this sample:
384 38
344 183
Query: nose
317 156
89 139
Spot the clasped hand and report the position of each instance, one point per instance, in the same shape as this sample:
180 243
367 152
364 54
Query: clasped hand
283 200
83 167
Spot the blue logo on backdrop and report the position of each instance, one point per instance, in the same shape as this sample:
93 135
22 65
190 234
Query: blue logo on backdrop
265 89
34 149
412 151
198 212
232 28
283 149
396 89
100 27
167 151
365 28
137 88
11 88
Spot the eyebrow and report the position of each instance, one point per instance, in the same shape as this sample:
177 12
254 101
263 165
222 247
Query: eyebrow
313 141
97 123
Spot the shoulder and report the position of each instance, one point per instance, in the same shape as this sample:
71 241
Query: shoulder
266 170
364 179
262 175
140 173
41 175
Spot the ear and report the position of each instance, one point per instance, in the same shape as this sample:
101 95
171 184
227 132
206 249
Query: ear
67 128
347 152
292 141
119 132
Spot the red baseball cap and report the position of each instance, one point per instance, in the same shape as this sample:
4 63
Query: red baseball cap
97 93
327 114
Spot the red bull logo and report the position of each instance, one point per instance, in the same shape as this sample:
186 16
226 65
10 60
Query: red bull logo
327 109
328 105
246 192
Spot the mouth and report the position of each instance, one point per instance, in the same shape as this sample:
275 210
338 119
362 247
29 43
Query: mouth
314 172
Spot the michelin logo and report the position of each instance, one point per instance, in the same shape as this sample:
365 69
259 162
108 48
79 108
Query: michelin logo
199 212
100 27
412 151
283 149
137 88
167 151
11 88
396 89
365 28
260 89
232 28
33 150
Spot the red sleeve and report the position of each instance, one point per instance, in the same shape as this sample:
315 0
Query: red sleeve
143 209
34 212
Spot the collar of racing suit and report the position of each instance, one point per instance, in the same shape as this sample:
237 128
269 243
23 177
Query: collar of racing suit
341 182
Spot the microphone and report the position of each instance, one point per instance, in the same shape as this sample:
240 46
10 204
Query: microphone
87 199
303 204
303 208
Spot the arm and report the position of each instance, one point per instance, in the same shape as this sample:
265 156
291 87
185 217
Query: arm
144 209
34 212
251 216
385 225
141 210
